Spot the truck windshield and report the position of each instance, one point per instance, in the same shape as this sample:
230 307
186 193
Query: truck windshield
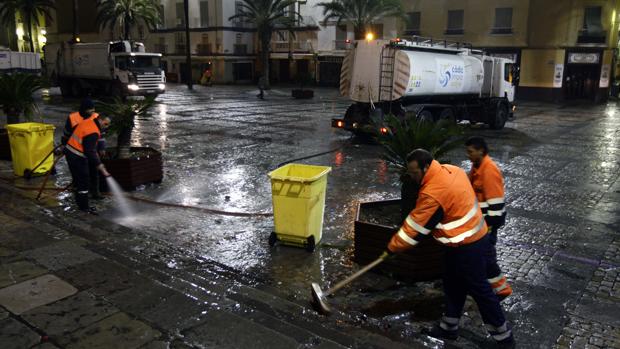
138 62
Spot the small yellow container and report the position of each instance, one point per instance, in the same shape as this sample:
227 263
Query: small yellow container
298 194
31 142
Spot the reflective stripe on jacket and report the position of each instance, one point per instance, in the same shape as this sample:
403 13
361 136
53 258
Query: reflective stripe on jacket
488 184
85 128
446 208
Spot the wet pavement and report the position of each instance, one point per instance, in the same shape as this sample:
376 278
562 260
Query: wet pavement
559 247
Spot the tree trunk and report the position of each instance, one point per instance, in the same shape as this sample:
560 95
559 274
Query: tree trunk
265 43
127 30
12 36
12 115
29 25
123 143
359 33
409 194
76 27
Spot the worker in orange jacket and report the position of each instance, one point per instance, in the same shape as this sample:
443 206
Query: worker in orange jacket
488 183
447 210
87 110
81 153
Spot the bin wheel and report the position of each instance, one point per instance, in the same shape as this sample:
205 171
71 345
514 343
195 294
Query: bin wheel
310 246
27 173
272 239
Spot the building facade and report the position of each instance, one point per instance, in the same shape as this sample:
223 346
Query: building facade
566 50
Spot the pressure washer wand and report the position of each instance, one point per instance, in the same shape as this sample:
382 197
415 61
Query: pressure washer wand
48 176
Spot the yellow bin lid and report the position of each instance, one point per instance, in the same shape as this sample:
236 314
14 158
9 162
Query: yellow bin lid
299 173
29 127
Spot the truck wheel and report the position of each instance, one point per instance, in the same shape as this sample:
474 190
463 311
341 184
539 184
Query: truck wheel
76 90
448 115
426 115
500 117
65 88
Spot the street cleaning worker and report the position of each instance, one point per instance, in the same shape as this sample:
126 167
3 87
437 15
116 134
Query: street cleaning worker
488 183
82 156
447 210
87 110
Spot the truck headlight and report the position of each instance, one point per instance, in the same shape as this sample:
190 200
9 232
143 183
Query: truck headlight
133 87
161 86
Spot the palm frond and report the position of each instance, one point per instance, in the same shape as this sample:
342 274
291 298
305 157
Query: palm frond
17 93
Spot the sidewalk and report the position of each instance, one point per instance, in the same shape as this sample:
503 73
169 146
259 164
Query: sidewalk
67 282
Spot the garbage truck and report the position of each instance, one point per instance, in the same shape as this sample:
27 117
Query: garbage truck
23 62
120 68
428 78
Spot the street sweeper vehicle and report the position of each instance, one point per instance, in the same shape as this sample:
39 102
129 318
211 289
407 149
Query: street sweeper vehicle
116 68
431 79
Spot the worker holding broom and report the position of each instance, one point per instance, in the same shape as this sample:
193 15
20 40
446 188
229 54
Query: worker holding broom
447 210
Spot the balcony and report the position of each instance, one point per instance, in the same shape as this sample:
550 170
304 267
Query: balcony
501 31
204 49
293 46
592 37
412 32
240 49
342 44
160 48
454 31
179 49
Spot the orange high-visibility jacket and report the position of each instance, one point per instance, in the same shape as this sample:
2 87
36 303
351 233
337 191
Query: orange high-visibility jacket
75 118
488 183
446 206
85 128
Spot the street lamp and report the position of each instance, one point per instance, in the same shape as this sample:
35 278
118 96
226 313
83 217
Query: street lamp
370 36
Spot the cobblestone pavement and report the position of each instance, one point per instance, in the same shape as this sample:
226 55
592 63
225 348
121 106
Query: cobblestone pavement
211 281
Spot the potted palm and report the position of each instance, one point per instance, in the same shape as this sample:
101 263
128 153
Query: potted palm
130 166
17 98
301 93
377 221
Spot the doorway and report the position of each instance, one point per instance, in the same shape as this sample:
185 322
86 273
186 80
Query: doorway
581 81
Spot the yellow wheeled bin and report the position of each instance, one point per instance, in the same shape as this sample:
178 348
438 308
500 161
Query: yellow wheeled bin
31 143
298 195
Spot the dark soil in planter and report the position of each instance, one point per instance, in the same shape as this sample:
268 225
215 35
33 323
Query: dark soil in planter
375 225
5 146
144 166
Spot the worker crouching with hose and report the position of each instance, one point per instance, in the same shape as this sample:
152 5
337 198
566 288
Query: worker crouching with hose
82 157
448 211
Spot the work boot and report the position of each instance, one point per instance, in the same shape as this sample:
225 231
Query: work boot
508 343
92 210
438 332
82 201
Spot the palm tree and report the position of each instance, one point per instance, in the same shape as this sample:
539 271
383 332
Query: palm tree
409 133
8 9
123 115
16 95
127 13
267 16
361 13
29 10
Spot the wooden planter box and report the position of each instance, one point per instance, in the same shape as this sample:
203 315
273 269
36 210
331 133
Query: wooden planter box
5 146
302 94
424 262
145 167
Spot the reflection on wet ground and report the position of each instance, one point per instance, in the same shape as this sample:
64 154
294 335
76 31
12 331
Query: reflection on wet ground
219 143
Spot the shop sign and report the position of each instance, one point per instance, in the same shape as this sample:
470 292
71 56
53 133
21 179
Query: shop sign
558 75
583 58
604 81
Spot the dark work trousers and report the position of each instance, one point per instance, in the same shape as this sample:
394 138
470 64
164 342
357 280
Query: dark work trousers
493 269
81 178
466 275
93 186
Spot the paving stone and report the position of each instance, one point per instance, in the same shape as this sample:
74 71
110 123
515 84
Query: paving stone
14 334
45 346
110 333
3 314
100 277
151 296
69 314
225 330
176 313
5 252
61 255
156 345
18 271
30 294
